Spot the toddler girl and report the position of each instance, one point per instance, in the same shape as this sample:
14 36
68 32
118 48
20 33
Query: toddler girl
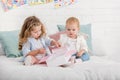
33 41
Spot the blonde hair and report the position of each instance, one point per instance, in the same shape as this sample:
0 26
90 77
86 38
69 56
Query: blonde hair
73 20
27 27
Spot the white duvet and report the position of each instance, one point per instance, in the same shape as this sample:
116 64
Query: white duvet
97 68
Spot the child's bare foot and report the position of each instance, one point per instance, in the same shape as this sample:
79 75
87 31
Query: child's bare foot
28 61
72 59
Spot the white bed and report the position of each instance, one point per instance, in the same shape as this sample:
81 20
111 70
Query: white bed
105 32
97 68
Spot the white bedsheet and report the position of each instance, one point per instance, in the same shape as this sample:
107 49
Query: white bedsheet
97 68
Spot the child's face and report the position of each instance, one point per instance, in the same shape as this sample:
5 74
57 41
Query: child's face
36 32
72 30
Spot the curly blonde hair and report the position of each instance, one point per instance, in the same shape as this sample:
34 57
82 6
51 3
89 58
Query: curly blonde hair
27 27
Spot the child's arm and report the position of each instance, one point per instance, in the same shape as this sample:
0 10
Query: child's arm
83 47
26 50
51 42
38 51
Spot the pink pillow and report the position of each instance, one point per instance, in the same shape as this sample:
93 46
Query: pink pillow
56 36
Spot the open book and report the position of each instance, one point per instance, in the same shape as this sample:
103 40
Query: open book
43 59
60 56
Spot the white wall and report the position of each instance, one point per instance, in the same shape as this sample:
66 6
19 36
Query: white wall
106 25
104 15
46 12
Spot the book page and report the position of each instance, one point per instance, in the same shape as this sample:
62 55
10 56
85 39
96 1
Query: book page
43 59
61 50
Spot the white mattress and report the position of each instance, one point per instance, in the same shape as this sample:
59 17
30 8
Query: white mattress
97 68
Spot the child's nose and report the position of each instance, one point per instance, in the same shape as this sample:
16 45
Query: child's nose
38 34
71 31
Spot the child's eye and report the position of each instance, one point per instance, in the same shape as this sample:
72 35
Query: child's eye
68 29
73 29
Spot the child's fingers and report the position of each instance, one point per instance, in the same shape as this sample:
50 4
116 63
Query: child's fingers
58 44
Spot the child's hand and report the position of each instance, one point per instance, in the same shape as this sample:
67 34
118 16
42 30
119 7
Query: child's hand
55 43
80 52
42 51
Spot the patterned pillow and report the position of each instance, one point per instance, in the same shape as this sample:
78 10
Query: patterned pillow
56 36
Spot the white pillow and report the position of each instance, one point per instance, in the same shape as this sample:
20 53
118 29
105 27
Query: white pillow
1 50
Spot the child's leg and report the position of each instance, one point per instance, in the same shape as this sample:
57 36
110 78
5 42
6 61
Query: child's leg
84 57
30 60
72 59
